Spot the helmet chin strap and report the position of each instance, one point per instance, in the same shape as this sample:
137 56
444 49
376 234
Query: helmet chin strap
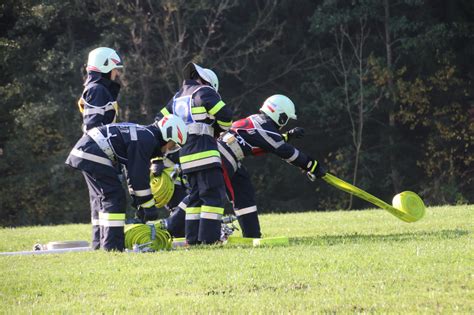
283 119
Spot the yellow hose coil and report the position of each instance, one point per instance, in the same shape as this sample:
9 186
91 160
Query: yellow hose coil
140 234
162 187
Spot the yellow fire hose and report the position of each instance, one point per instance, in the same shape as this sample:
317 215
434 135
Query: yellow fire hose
407 205
147 237
162 187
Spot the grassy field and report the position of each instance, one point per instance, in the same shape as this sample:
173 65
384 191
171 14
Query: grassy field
337 262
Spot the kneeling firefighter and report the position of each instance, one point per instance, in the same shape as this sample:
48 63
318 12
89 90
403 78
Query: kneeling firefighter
97 155
256 135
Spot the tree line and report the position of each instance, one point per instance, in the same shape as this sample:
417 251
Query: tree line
382 88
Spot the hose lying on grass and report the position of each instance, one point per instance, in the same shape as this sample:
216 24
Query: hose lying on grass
147 238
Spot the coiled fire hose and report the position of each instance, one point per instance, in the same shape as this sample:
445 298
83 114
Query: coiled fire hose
147 237
162 187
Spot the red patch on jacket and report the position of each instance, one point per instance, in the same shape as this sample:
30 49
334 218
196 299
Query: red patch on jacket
244 124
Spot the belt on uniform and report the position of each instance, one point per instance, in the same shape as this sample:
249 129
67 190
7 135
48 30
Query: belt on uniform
227 156
102 142
233 145
200 129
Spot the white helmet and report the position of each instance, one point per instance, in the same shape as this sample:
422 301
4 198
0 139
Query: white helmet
103 60
173 128
279 108
206 74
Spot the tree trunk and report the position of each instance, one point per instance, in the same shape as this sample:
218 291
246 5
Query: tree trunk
360 116
394 175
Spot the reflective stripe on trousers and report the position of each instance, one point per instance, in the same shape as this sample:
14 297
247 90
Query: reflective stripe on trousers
239 212
112 219
193 213
212 213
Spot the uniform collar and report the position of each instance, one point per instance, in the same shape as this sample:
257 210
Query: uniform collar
96 77
191 82
268 119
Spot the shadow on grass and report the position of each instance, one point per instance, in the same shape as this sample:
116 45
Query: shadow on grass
372 238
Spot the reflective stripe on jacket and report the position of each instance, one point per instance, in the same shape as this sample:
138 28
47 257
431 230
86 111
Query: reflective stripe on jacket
99 101
133 146
256 135
203 110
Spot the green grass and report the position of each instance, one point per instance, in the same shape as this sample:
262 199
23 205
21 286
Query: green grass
337 262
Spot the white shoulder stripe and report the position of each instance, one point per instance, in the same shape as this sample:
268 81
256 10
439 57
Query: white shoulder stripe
265 136
91 157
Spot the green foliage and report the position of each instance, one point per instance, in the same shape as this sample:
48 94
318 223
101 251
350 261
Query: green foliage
336 263
433 105
416 114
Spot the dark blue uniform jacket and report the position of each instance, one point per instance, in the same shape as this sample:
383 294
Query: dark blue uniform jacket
99 99
199 104
132 145
257 135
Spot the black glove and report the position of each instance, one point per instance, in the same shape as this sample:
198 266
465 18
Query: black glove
147 214
157 167
317 169
296 132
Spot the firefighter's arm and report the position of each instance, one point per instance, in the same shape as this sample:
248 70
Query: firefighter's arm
223 115
216 107
166 110
138 172
297 158
272 141
97 103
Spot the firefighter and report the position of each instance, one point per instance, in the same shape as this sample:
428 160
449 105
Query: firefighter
98 102
199 104
97 155
255 135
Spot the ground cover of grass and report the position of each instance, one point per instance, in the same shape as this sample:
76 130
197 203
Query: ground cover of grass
337 262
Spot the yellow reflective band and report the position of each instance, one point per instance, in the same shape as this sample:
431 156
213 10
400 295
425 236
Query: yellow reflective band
212 209
198 110
216 108
285 136
314 166
80 105
193 210
201 162
150 203
198 156
164 111
111 216
157 159
225 124
116 107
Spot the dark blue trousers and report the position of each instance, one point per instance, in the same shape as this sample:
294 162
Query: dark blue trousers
108 203
242 193
205 206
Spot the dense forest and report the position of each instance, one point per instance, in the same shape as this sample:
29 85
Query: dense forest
383 89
